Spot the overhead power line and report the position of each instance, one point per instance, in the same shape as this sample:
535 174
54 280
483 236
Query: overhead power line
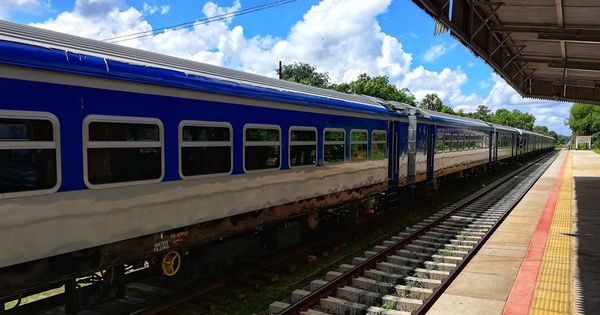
208 20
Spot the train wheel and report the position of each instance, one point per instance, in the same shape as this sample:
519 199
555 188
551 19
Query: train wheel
312 220
171 263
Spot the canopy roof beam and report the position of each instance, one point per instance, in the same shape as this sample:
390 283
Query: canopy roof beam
562 39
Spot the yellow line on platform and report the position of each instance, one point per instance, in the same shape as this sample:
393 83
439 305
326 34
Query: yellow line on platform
553 288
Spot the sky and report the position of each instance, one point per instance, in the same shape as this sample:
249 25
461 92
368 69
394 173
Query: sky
341 37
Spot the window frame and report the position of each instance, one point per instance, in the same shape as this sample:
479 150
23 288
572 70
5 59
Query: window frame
455 141
439 135
264 143
370 153
202 123
111 144
358 142
343 142
290 143
55 144
447 142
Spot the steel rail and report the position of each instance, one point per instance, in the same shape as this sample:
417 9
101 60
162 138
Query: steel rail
314 297
197 291
428 303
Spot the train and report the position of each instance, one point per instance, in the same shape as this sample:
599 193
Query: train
111 155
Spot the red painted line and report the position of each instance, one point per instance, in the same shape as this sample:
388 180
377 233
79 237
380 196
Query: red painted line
521 294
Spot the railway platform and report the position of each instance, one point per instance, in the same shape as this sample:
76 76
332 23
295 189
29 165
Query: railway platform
544 258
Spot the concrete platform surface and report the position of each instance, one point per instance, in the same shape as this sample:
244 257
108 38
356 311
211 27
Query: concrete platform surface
586 178
504 263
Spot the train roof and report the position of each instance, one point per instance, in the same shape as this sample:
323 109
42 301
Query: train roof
505 128
115 61
445 118
522 131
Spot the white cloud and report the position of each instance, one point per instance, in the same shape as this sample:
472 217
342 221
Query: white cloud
96 8
446 84
164 9
434 52
26 6
151 9
484 84
549 113
341 37
98 19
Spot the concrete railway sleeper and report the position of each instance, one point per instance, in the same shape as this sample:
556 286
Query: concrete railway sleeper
407 273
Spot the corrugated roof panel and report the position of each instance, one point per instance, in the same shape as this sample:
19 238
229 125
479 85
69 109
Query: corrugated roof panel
544 42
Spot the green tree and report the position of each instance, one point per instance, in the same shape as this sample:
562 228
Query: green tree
448 110
516 118
541 129
378 86
432 102
584 120
482 113
545 131
304 73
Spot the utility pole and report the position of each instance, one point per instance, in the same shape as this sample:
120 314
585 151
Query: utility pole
280 69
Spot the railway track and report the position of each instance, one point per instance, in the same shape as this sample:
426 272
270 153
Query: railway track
420 266
407 273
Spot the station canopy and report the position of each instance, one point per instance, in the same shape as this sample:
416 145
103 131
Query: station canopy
547 49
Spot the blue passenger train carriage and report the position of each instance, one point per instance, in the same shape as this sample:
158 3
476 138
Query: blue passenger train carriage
111 155
106 148
457 143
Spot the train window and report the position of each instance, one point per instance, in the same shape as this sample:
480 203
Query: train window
334 145
439 142
455 143
303 146
262 147
499 140
469 142
29 153
447 142
358 145
122 151
378 144
205 149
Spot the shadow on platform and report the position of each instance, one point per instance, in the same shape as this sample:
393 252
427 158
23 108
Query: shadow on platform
587 196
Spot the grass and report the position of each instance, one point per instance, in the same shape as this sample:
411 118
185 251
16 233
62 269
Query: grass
597 150
390 223
388 305
444 253
33 298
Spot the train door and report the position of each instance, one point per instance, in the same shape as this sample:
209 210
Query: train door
512 144
494 147
393 159
491 144
432 134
